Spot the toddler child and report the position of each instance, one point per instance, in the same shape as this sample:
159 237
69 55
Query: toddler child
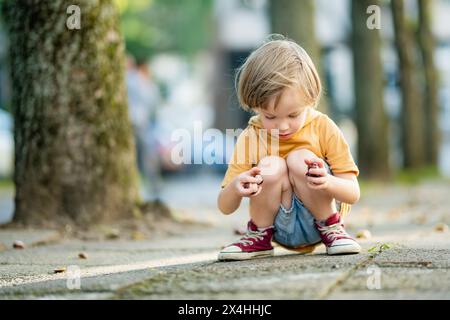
292 161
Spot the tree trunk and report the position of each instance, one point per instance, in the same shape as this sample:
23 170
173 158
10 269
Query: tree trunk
74 151
427 45
295 20
371 119
412 114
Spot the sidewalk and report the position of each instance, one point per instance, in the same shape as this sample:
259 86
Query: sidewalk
408 259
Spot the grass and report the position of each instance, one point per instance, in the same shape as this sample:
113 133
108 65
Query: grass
404 177
414 176
6 184
379 248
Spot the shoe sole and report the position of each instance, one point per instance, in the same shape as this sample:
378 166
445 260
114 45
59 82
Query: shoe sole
344 249
223 256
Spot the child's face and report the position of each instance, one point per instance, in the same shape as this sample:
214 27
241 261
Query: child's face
289 115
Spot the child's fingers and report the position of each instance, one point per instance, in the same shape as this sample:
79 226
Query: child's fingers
253 187
249 179
257 192
318 161
321 163
316 181
243 191
260 179
254 171
316 171
248 189
253 190
310 161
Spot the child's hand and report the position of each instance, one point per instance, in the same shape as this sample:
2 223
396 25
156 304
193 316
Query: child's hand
248 183
317 175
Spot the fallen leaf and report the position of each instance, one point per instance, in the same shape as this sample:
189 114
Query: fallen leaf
441 227
363 234
60 270
82 255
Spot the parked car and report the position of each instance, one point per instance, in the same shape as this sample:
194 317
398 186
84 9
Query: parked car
6 145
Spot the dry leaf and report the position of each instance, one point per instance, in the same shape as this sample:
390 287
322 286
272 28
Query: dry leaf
82 255
441 227
60 270
363 234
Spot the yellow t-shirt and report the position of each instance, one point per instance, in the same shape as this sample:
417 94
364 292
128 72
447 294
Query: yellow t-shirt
319 134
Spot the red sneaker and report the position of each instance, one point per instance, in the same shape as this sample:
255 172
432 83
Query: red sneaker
255 243
335 238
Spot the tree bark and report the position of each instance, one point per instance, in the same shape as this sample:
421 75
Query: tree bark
295 20
371 119
427 45
413 134
74 151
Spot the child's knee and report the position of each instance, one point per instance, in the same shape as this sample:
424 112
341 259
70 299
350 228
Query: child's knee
296 165
273 169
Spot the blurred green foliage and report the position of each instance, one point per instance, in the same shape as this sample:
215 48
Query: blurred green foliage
415 176
6 184
154 26
403 177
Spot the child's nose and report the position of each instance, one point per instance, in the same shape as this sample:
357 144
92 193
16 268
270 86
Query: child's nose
284 126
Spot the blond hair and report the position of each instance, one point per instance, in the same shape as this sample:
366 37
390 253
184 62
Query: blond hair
274 66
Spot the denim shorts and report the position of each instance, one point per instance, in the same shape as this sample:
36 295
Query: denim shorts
295 227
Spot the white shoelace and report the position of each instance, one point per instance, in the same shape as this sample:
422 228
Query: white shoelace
333 232
252 236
